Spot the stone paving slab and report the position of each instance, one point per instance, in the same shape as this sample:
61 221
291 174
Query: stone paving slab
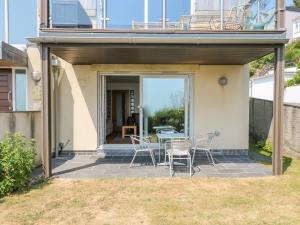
85 167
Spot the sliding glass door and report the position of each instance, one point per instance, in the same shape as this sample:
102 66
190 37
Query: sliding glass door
164 106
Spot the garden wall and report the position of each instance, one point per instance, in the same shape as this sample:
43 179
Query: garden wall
260 127
26 123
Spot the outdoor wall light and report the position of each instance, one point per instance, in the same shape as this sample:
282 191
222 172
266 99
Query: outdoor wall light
36 76
55 62
223 81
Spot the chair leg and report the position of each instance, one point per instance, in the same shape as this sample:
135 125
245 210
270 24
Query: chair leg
171 165
208 157
212 159
190 166
165 157
133 159
194 157
152 157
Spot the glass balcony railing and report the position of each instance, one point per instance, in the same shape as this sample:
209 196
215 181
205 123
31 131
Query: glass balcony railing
206 15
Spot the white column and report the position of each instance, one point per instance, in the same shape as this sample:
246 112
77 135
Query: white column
146 13
104 14
222 14
99 11
164 14
193 5
6 21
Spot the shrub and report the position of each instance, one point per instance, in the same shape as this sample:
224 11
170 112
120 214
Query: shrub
17 156
294 81
168 116
264 147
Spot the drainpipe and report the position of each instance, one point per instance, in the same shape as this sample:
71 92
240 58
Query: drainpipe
55 65
222 14
6 21
164 14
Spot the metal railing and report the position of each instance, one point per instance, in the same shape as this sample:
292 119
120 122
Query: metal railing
209 15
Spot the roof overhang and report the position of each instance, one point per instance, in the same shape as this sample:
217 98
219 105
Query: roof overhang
161 47
12 56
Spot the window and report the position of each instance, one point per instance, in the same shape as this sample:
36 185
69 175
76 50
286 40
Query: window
296 27
20 90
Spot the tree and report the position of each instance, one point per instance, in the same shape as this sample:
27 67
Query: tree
297 3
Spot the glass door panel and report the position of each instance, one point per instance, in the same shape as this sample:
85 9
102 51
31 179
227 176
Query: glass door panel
122 13
164 105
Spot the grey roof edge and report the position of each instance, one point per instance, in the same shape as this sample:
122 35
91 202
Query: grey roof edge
12 54
275 37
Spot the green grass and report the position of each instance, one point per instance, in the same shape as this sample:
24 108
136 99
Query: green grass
265 200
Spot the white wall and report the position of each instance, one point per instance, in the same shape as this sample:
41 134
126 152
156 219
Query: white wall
289 17
263 87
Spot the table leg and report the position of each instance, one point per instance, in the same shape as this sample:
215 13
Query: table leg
123 132
159 142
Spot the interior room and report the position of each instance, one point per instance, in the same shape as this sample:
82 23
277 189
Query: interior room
122 112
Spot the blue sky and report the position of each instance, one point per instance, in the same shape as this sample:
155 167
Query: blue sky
128 10
22 20
23 15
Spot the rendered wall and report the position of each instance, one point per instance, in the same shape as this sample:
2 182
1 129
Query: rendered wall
214 107
26 123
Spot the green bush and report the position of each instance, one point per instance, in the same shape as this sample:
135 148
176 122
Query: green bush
169 116
294 81
292 55
17 156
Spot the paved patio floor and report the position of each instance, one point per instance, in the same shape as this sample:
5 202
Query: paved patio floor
93 166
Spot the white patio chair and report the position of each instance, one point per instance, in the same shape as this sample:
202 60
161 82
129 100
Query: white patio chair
179 149
204 143
141 145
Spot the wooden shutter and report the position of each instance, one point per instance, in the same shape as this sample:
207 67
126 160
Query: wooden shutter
5 90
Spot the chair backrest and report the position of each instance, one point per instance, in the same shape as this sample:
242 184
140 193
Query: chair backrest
180 147
138 142
205 141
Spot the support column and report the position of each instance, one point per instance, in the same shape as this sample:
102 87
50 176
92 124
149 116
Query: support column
46 126
164 14
44 14
6 21
222 14
278 111
278 94
146 13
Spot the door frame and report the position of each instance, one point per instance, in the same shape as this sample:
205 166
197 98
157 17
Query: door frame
101 100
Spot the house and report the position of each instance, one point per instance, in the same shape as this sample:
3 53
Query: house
107 71
296 28
292 15
20 83
262 87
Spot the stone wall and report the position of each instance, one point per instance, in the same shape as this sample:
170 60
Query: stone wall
260 127
26 123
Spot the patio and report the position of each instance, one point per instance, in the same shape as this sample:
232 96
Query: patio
93 166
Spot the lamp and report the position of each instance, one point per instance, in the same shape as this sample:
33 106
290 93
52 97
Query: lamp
36 76
223 81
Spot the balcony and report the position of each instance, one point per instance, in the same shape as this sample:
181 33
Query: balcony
151 15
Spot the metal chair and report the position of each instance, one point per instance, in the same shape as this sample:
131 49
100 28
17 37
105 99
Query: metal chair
141 145
179 149
204 143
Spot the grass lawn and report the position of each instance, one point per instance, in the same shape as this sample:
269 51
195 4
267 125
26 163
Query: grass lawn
269 200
